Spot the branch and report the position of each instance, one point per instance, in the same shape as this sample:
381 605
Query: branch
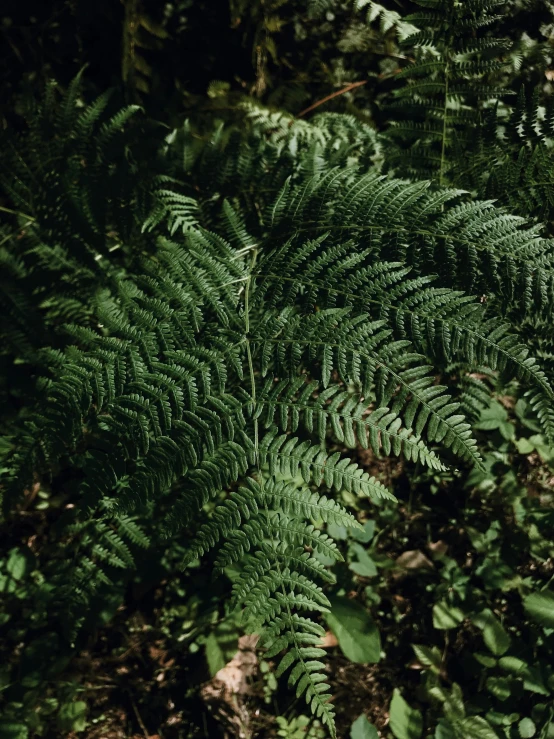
352 86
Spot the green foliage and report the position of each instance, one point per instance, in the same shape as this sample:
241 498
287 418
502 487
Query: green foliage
452 77
362 729
70 175
299 728
355 630
165 395
511 159
218 325
405 722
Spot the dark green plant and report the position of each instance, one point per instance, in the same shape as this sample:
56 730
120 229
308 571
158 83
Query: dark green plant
216 327
75 184
208 379
511 159
449 84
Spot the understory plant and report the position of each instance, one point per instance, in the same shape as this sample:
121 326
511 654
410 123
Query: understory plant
204 332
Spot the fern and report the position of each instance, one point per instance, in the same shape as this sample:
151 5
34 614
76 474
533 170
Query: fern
287 304
388 19
68 178
511 160
67 202
451 81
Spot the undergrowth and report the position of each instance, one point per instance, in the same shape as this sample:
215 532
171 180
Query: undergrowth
310 357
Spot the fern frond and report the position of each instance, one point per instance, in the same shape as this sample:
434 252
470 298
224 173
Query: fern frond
180 211
450 73
306 305
352 420
286 456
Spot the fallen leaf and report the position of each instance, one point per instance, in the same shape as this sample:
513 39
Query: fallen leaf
438 548
414 559
329 640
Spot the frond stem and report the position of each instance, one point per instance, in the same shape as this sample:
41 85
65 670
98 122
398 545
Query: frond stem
247 289
17 213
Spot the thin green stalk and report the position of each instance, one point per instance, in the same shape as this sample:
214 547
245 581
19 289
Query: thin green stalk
247 289
17 213
444 125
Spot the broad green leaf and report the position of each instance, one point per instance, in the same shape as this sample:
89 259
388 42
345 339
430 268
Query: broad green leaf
507 430
531 675
495 636
356 632
364 566
214 655
525 415
452 701
444 730
475 727
20 563
72 717
496 575
294 729
526 728
485 659
492 417
428 656
364 535
545 451
405 722
499 687
221 646
540 607
336 531
524 446
446 616
362 729
7 584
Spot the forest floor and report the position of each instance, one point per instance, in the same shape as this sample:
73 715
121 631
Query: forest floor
158 667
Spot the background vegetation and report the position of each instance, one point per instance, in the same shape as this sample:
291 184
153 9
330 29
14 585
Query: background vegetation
441 619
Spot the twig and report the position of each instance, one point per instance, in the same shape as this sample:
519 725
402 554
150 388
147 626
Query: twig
444 652
139 717
352 86
105 686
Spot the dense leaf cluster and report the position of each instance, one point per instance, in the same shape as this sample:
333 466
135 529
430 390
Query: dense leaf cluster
202 325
